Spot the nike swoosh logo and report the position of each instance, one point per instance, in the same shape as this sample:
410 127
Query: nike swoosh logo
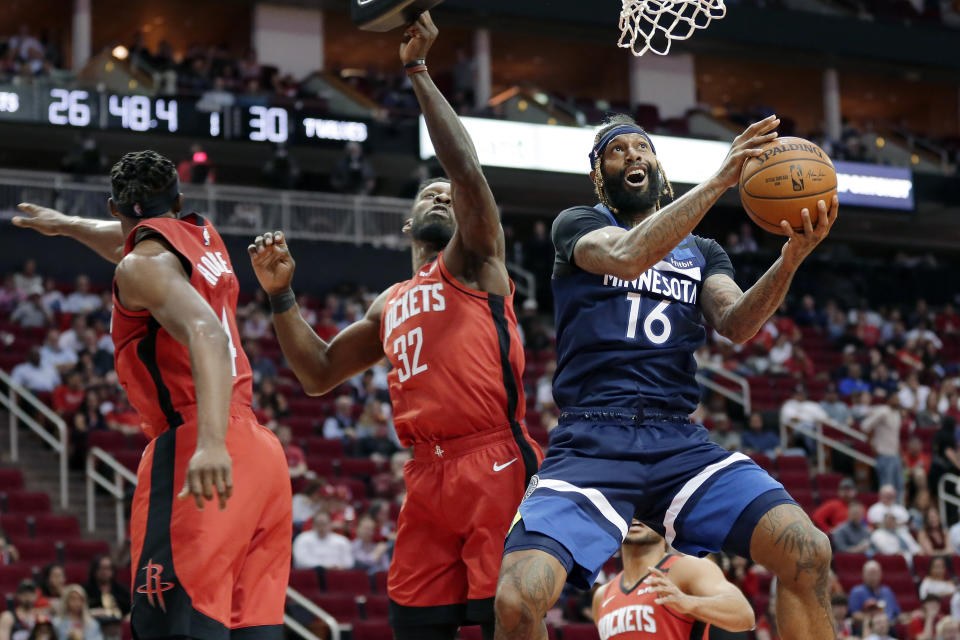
501 467
606 602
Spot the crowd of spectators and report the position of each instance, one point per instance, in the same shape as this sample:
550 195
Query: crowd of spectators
26 55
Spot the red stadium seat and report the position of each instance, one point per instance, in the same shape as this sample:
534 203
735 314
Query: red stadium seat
795 479
301 426
328 447
15 525
304 580
55 526
380 581
921 566
376 608
84 550
828 482
849 563
321 465
612 567
343 607
763 461
77 572
358 467
371 630
579 632
793 463
137 442
124 576
348 581
11 575
109 441
129 458
892 564
357 488
27 502
36 551
11 480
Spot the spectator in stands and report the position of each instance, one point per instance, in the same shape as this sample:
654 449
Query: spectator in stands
832 513
338 506
386 528
102 359
917 462
28 280
321 547
52 353
885 421
876 626
262 366
17 623
52 581
378 446
256 326
544 392
107 598
853 381
43 630
281 171
834 407
808 315
922 624
270 396
122 416
52 298
72 338
758 440
801 411
8 552
937 582
308 502
197 168
30 312
74 621
945 458
948 628
89 417
10 297
932 536
882 378
296 458
81 300
929 416
367 554
867 595
853 536
341 424
842 624
724 434
780 352
353 173
34 374
887 503
390 484
892 539
912 394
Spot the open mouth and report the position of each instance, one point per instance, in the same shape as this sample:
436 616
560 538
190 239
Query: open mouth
439 210
636 177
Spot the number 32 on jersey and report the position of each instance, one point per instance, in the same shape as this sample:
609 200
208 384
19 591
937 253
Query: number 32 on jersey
656 326
406 347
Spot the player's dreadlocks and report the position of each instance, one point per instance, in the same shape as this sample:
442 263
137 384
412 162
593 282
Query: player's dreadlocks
616 120
140 182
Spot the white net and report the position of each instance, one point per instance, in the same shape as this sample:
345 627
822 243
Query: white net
652 25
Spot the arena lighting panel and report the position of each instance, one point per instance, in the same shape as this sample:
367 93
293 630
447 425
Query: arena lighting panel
541 147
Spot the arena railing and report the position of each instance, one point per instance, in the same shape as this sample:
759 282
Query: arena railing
336 629
823 441
57 442
741 398
243 211
945 497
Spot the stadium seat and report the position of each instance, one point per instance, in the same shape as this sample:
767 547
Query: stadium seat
52 525
343 607
84 550
304 580
579 632
793 463
921 566
358 467
795 480
137 442
828 482
892 564
129 458
357 487
15 525
849 563
36 551
327 447
372 630
25 502
355 582
11 480
77 572
763 461
109 441
380 581
376 608
301 426
321 465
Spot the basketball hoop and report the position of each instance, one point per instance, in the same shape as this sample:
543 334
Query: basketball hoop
652 25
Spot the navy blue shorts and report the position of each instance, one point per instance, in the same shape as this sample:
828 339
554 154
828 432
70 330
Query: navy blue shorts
606 467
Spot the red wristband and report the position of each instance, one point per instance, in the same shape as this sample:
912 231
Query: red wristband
416 69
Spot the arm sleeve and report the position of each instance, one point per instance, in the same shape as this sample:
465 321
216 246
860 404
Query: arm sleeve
573 224
716 258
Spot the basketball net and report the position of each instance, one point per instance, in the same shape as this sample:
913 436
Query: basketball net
652 25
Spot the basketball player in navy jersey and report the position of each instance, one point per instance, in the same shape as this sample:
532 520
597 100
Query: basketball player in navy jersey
666 595
631 284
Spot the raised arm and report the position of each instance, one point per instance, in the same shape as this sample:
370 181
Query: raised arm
738 315
698 588
102 236
478 218
627 254
319 366
152 278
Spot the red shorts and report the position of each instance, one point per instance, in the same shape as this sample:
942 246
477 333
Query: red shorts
462 495
202 574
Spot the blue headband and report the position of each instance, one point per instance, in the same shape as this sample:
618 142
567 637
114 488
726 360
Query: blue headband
613 133
158 203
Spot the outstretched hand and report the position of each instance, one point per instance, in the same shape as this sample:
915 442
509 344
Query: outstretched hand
42 219
272 262
747 145
799 245
669 593
418 38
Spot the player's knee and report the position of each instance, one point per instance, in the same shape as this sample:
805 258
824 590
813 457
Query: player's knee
807 559
513 608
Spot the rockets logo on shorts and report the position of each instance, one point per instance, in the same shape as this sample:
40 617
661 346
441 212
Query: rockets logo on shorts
155 586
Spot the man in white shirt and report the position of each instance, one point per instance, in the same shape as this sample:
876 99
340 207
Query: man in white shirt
53 354
320 547
885 421
72 338
887 504
890 539
341 423
81 301
34 374
801 411
912 394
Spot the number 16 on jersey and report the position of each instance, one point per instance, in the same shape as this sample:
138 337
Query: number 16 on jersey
656 326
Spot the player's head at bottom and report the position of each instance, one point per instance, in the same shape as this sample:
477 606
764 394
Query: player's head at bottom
640 535
625 170
144 184
431 220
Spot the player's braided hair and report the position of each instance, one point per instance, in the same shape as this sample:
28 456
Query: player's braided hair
139 175
615 120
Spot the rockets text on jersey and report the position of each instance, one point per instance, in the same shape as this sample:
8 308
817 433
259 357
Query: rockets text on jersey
631 613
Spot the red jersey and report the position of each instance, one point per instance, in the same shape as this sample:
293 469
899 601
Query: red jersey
628 612
152 366
456 355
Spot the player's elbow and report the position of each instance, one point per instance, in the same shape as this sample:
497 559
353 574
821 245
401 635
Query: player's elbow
209 333
746 620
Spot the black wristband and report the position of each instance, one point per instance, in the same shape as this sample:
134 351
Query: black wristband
283 301
415 63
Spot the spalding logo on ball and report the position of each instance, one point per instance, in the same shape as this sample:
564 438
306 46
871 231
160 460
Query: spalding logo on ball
791 175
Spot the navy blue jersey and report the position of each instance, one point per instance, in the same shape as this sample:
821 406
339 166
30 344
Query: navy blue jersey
629 343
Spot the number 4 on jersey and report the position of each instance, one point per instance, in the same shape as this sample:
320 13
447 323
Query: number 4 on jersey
233 349
656 315
414 340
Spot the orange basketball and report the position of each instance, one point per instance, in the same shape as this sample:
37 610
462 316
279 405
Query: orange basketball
791 175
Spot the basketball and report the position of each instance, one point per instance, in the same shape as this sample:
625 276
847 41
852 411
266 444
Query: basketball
791 175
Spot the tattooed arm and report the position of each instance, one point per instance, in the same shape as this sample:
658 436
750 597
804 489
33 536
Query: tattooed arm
627 254
738 315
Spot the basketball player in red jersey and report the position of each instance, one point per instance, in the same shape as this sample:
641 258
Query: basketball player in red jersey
198 572
450 333
665 595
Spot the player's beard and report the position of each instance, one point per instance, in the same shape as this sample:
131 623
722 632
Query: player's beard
433 233
630 202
